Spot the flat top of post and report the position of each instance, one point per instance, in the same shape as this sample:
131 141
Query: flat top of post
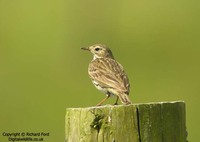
136 104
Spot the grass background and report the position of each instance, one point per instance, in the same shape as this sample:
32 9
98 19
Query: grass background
43 71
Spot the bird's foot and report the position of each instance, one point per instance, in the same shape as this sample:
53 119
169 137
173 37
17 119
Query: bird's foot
116 103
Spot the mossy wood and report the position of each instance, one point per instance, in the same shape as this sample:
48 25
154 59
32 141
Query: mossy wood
152 122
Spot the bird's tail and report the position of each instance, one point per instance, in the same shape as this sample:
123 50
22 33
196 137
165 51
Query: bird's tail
124 99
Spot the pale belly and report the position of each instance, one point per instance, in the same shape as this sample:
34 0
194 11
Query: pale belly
106 91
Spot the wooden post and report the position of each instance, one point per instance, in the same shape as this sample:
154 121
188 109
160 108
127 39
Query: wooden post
151 122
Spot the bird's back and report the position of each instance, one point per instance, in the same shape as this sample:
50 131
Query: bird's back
109 74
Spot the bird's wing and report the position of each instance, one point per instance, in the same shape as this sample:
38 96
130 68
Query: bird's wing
109 74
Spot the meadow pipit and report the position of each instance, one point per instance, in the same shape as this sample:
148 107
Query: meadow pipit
107 74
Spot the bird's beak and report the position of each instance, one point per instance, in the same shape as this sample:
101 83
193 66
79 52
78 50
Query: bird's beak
85 48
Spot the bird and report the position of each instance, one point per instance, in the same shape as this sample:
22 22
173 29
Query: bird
107 74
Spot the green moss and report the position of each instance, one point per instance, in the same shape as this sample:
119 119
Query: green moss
98 119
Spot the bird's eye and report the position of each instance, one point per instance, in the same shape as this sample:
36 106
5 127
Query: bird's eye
97 49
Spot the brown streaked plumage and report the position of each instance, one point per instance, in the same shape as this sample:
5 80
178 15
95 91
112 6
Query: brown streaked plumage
107 74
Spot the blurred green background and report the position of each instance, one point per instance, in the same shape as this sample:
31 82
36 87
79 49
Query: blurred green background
43 71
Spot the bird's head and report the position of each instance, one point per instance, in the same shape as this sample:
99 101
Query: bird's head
99 51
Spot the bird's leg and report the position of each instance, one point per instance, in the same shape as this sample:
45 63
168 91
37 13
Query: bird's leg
116 103
101 102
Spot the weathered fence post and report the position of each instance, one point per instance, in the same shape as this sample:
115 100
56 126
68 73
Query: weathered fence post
151 122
